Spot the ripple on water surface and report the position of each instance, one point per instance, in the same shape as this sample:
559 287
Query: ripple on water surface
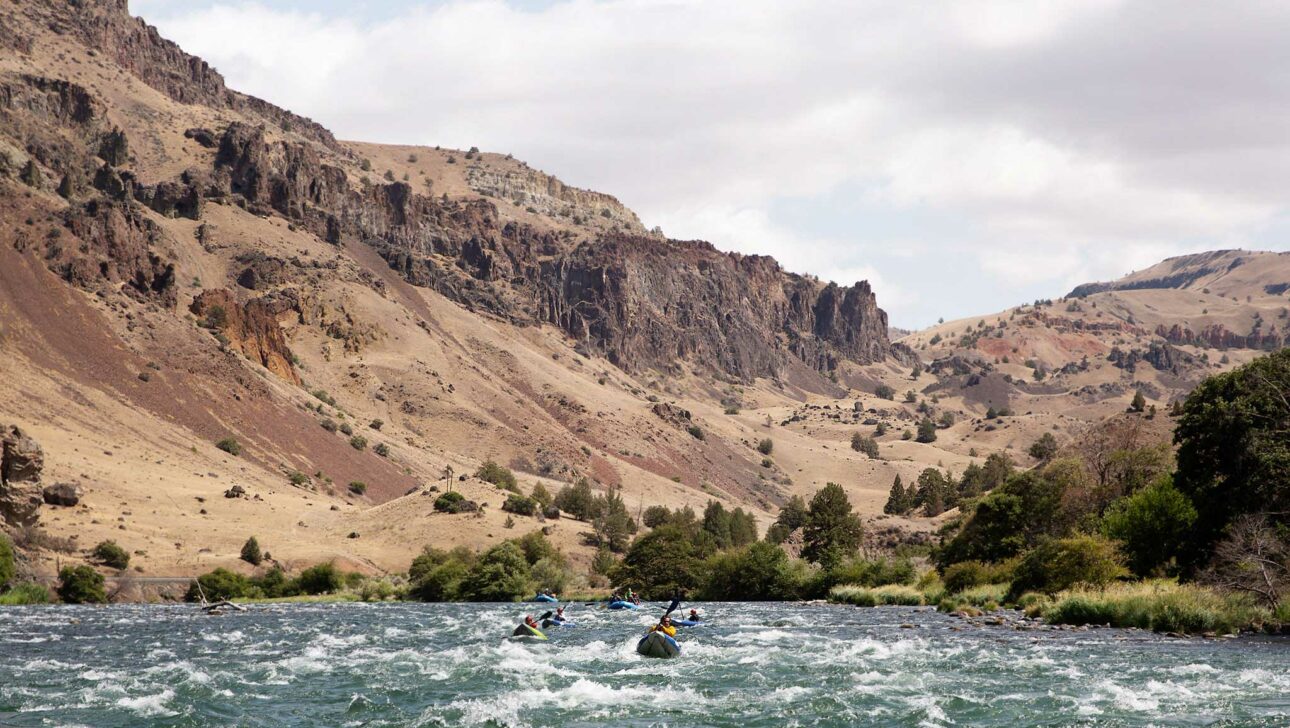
748 665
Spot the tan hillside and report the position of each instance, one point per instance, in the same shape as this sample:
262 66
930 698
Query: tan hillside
181 264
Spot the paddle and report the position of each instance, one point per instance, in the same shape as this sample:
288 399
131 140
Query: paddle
676 602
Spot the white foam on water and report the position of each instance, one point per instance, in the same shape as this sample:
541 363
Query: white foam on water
933 715
791 692
1195 668
149 705
235 637
594 699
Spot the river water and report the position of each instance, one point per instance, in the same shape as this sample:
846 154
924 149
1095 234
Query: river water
750 665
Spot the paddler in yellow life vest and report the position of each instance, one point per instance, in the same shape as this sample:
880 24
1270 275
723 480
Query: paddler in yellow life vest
665 626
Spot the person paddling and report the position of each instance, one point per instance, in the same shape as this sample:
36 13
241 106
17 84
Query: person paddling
558 617
694 615
530 621
665 626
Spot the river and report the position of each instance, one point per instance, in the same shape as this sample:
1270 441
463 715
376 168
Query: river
750 665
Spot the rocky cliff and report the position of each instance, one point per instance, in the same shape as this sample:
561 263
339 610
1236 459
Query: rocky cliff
643 301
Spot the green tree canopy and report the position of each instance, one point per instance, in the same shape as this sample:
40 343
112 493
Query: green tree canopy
832 531
1153 524
1234 450
500 575
662 562
757 572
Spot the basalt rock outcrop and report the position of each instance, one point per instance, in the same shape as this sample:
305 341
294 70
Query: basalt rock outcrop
21 463
642 301
1218 336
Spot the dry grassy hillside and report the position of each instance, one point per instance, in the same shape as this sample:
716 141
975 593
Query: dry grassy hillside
181 264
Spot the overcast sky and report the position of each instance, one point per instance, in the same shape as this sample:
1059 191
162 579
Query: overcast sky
963 157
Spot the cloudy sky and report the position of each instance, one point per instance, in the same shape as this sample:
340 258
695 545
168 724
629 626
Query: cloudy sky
963 157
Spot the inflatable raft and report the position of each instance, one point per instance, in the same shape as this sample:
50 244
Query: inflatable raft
623 605
658 644
526 631
544 598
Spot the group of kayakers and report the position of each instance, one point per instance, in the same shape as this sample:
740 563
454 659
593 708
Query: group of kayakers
659 641
627 597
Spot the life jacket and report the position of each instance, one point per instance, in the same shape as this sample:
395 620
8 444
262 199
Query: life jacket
669 630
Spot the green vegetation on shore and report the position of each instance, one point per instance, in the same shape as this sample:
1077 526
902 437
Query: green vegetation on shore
1112 531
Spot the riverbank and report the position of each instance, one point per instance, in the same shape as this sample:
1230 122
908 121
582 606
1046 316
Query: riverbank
1159 606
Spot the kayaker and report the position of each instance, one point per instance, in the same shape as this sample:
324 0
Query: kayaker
665 626
694 615
558 616
530 621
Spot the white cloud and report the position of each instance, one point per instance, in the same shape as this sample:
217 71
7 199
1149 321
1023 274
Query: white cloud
1071 137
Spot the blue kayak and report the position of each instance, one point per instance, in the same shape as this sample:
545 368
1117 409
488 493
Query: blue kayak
658 644
549 623
623 605
544 598
686 622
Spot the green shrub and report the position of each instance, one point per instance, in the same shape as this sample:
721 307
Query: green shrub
453 502
382 449
499 475
251 552
1059 564
758 572
375 590
500 575
297 478
358 487
884 391
520 505
323 396
346 428
319 579
24 594
864 444
358 442
542 496
577 500
967 574
436 575
81 585
112 555
1153 525
230 445
329 425
217 585
765 446
8 565
696 432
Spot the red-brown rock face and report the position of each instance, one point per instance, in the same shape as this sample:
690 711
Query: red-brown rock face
251 328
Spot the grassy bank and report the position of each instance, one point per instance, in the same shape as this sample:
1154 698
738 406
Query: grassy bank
23 594
1160 605
890 595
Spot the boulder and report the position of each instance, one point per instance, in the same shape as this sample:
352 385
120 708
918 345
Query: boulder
236 491
62 494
